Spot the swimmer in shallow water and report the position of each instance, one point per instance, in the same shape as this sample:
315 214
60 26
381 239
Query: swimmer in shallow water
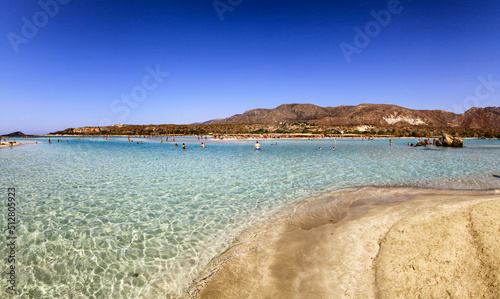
256 146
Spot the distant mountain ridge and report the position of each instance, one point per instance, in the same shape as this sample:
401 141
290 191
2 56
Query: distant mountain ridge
308 118
14 134
368 114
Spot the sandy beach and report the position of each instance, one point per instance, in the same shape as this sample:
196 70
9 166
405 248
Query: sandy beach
368 243
7 144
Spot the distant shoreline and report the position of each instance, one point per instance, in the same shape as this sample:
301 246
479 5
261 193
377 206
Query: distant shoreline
253 136
229 137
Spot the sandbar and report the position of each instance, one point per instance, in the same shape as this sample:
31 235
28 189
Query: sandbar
8 144
367 243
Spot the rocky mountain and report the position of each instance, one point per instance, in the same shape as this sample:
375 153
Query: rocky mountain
487 118
308 118
368 114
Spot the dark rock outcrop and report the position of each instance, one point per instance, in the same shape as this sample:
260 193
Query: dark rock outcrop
450 141
423 143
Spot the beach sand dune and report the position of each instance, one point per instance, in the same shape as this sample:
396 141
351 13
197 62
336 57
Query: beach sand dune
384 243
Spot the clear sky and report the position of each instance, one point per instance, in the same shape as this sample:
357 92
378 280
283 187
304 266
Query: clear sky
72 63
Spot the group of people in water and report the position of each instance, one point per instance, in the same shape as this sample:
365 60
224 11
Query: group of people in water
256 147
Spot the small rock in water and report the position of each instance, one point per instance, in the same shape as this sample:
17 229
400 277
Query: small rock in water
426 142
447 140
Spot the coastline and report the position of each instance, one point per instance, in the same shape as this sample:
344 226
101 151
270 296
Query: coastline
367 242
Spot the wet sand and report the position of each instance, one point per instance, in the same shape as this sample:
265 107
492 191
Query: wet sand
368 243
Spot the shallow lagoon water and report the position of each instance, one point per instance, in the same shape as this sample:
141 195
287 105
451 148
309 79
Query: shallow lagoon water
116 219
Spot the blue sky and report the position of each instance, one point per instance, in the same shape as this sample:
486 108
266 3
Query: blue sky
91 63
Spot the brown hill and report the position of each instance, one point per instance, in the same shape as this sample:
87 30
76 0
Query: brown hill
481 118
369 114
308 118
14 134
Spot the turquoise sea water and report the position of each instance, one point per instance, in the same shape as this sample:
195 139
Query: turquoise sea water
115 219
